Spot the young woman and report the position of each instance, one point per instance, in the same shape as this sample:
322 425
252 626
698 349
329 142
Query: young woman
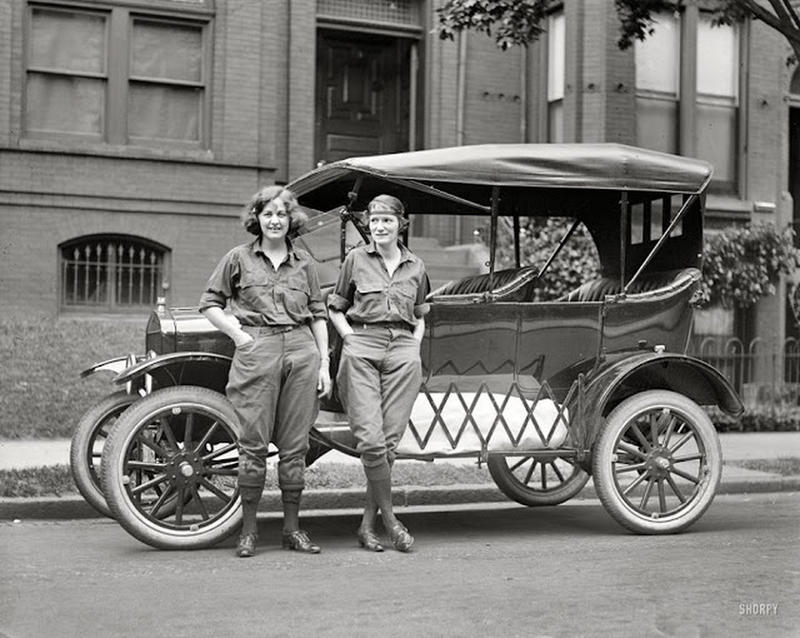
281 359
378 308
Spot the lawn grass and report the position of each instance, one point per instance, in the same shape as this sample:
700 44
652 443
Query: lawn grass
41 392
785 466
57 480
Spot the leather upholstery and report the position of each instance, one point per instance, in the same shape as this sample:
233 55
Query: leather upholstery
595 290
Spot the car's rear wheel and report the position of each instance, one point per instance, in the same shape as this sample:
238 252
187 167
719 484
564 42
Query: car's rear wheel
169 469
537 482
86 446
657 462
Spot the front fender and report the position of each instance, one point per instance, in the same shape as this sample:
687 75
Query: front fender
115 365
205 369
688 376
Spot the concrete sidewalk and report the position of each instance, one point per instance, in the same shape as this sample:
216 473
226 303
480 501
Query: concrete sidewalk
735 480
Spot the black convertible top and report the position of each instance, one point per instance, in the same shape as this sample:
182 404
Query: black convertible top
551 166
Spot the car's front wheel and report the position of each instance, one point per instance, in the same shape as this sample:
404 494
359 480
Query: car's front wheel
169 469
657 462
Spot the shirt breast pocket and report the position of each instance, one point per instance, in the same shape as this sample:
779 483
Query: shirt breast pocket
371 299
295 297
404 294
254 292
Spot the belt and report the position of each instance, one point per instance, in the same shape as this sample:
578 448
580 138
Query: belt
396 325
269 330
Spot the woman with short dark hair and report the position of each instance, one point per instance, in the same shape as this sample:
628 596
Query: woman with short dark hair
278 324
378 308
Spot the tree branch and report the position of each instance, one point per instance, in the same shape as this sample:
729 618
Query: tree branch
780 11
786 25
762 14
793 13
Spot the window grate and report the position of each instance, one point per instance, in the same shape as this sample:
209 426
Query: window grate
110 274
406 12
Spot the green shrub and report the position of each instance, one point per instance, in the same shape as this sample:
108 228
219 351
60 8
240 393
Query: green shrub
742 264
576 263
41 392
757 419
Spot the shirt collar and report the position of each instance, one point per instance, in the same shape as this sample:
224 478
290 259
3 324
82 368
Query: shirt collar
255 246
405 253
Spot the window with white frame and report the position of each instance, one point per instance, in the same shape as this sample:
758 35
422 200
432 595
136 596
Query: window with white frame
717 97
111 273
687 91
113 74
657 82
556 56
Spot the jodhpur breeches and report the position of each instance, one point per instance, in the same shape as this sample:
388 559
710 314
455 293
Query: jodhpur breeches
273 387
379 376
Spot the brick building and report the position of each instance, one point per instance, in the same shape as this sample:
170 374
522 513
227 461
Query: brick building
131 131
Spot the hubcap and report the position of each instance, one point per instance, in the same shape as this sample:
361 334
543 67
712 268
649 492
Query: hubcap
185 469
659 462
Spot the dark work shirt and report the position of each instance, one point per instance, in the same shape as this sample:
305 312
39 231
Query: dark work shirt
366 293
260 295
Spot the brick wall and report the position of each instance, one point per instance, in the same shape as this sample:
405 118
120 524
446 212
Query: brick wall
493 93
32 233
52 192
767 114
262 130
50 198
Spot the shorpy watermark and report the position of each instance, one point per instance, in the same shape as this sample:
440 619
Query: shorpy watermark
758 609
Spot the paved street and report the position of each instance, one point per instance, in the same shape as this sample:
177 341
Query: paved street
490 570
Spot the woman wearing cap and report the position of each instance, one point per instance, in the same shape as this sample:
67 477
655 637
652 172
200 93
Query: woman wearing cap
378 308
281 358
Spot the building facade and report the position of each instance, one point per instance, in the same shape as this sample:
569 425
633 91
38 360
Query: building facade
131 131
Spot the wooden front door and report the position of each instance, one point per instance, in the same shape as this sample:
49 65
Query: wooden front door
362 95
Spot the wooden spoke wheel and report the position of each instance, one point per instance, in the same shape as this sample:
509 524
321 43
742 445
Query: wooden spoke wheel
169 469
87 443
657 462
537 482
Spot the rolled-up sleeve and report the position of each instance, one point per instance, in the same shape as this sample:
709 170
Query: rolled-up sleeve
422 307
341 297
316 306
219 287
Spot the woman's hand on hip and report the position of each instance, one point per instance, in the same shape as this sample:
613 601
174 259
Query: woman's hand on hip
241 338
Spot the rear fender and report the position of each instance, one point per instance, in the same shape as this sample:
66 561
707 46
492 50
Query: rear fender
205 369
688 376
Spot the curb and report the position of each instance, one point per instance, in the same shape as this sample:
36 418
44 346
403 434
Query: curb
74 507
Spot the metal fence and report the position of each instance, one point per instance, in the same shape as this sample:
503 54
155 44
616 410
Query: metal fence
762 371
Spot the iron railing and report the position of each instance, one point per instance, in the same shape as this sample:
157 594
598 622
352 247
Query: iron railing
762 371
111 274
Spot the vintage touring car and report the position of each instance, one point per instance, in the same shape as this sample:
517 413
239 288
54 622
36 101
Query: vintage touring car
548 393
